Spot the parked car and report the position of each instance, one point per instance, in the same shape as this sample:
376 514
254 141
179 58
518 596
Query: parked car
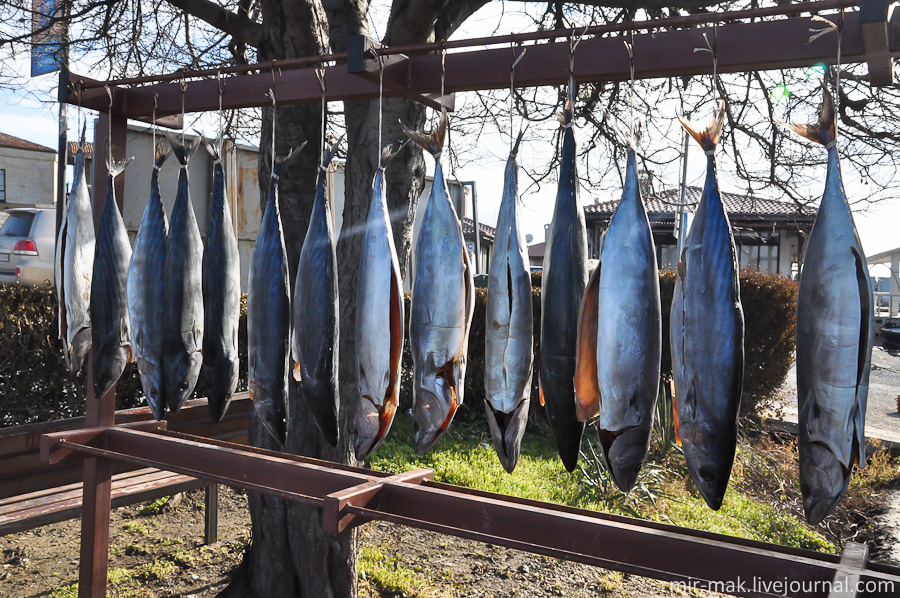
27 246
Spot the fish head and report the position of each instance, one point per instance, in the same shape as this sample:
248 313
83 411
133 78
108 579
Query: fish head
221 379
624 452
373 421
823 481
108 367
152 382
709 453
182 370
507 430
435 405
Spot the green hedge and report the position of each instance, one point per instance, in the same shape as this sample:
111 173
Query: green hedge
35 385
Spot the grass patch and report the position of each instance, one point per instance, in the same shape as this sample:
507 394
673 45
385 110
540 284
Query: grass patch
135 549
137 527
69 591
389 576
155 507
465 457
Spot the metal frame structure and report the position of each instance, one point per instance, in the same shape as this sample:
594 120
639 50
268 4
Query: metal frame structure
350 496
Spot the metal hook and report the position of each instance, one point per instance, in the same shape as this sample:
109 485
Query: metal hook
443 70
320 76
110 94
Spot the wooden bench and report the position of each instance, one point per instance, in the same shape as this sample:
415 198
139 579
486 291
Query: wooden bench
33 495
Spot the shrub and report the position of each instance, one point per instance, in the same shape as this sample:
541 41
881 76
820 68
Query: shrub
35 385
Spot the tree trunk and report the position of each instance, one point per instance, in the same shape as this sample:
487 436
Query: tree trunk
290 555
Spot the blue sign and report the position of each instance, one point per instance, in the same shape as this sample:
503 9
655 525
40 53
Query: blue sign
46 38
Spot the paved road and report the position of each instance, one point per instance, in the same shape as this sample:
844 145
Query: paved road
882 417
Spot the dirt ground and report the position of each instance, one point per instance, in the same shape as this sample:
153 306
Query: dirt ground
163 555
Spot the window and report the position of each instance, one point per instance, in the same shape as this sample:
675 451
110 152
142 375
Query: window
2 184
667 256
758 251
17 225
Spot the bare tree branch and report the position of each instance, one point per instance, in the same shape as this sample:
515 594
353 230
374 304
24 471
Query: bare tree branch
238 26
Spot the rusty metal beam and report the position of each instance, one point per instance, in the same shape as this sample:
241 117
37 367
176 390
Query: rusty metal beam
701 559
764 45
873 20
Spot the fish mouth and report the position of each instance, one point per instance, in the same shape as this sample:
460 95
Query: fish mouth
823 481
186 368
558 401
221 380
433 410
624 452
507 430
373 422
710 483
277 429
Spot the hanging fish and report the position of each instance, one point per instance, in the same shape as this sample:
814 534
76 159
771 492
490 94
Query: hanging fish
707 330
564 280
834 339
146 281
508 327
626 341
269 315
314 341
379 323
442 304
74 268
183 342
221 278
110 330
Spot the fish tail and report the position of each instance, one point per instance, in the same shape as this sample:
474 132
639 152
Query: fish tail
183 151
81 143
330 152
282 163
215 147
515 149
162 153
113 167
388 152
823 131
432 143
565 117
707 137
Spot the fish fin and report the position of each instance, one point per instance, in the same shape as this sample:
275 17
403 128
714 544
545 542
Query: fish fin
630 139
448 372
587 385
388 152
541 393
707 137
282 163
825 130
675 413
392 394
566 117
330 152
162 154
298 375
183 151
433 142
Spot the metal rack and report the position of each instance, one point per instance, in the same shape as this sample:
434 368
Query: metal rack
350 496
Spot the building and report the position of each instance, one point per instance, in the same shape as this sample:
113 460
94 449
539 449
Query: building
769 234
884 269
27 173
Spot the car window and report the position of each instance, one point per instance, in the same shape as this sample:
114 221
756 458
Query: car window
17 225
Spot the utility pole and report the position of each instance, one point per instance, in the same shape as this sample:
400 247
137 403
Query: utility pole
62 154
471 184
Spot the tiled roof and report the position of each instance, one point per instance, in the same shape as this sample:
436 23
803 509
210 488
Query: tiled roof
468 228
666 203
88 149
16 143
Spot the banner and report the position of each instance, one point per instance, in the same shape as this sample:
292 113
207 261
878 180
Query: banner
46 42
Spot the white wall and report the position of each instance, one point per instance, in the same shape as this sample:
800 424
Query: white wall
30 176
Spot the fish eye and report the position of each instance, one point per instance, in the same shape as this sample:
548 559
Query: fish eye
182 386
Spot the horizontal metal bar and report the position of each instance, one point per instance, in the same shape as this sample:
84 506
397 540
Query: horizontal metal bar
656 550
336 517
742 47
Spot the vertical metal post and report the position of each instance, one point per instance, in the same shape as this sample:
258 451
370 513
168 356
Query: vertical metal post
211 523
62 153
681 221
97 473
477 226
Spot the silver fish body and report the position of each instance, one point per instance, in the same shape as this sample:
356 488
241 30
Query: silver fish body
834 341
74 269
629 335
564 281
379 324
315 330
221 281
145 292
508 328
110 328
183 294
441 309
707 336
269 317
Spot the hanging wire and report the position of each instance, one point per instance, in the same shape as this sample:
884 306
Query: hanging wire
109 124
512 93
816 34
380 59
221 86
320 75
713 49
271 95
183 93
573 44
153 125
